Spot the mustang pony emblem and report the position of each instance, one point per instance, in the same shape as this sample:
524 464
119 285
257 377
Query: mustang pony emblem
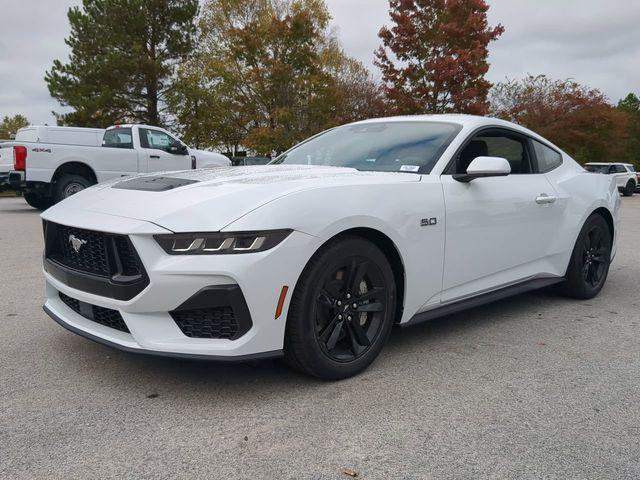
76 243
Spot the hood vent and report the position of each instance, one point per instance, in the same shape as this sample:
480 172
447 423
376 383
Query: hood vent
153 184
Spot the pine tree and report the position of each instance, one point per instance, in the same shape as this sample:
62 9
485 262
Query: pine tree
122 61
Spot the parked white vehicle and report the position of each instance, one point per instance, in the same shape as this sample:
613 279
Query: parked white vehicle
624 173
61 135
318 254
48 172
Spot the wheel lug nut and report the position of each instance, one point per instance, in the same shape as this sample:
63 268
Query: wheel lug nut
349 317
339 303
348 295
339 317
355 305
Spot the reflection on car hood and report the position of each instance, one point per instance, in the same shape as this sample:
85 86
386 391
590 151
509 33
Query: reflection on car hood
213 198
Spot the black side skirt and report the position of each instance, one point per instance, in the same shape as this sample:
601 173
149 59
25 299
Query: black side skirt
482 299
187 356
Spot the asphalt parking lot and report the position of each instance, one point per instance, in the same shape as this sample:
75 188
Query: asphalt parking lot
536 386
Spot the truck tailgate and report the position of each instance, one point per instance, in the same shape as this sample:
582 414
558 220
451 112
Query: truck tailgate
6 157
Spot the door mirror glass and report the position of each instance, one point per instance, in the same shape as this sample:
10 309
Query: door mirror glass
482 167
178 148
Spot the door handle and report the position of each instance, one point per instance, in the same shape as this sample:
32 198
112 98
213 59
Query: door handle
544 199
154 156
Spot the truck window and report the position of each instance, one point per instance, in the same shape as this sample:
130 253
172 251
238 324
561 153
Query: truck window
156 139
118 138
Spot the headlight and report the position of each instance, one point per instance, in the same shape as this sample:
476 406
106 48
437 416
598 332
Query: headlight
220 243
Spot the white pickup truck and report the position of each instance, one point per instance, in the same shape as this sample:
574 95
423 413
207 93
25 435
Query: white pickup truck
47 172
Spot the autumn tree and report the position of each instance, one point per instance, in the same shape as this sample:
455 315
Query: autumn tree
123 57
577 118
359 95
267 74
630 105
434 57
10 125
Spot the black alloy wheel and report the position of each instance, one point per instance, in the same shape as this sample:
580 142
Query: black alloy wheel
595 255
590 260
342 310
350 308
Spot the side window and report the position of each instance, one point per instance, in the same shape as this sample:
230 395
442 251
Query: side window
619 169
118 138
497 143
631 168
155 139
548 158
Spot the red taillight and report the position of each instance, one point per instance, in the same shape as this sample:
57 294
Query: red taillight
19 157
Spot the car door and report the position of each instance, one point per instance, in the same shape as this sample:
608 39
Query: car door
117 156
495 227
156 145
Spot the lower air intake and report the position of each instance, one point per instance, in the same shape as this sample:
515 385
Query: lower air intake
218 323
103 316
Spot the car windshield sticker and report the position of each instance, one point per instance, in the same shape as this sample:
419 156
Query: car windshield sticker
409 168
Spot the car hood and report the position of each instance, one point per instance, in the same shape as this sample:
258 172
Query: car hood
209 159
210 199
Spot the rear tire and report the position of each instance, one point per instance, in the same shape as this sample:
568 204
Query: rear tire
342 310
68 185
38 202
629 189
590 260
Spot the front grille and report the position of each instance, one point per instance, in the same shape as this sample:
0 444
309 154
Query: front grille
103 316
91 254
218 322
95 253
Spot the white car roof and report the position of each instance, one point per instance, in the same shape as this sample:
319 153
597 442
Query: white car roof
464 120
609 163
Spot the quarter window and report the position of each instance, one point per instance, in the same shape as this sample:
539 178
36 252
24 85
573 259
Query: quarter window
548 159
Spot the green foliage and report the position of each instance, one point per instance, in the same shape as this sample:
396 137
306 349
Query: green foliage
266 75
123 57
11 125
630 105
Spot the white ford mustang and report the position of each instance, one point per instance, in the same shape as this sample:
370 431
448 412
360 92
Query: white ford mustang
316 256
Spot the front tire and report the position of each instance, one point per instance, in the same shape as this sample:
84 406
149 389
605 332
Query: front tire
629 189
67 185
342 310
590 260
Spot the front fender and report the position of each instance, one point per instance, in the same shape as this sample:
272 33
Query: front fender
394 210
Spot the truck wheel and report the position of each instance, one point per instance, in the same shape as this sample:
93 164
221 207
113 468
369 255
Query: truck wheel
38 202
629 189
68 185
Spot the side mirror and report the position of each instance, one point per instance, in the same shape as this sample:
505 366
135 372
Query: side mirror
178 149
483 167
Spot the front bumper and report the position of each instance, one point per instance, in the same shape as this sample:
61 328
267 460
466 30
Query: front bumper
174 280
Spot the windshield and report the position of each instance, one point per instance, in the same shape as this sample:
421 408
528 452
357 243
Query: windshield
377 146
597 168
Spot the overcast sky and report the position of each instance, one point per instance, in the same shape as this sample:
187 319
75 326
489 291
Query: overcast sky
596 42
